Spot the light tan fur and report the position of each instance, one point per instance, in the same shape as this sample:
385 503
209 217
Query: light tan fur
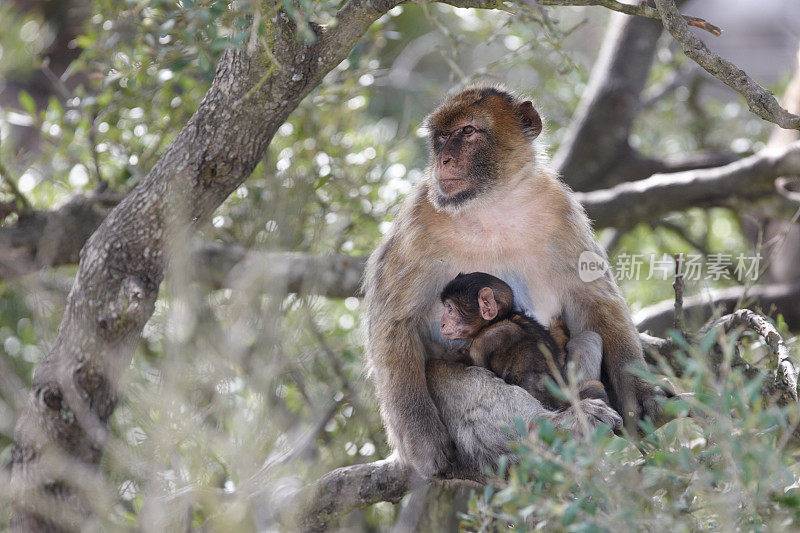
528 223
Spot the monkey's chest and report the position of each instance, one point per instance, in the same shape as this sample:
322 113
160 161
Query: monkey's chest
537 289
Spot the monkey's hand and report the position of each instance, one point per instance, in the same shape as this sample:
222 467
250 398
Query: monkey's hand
427 446
583 418
638 399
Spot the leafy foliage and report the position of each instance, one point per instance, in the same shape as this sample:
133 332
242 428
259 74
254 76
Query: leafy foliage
731 466
233 391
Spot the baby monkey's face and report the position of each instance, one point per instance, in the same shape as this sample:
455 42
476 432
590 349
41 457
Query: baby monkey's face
457 326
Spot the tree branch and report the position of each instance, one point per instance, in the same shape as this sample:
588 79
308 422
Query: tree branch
641 10
629 203
41 239
353 487
334 276
783 297
122 265
596 152
53 238
761 101
785 378
596 139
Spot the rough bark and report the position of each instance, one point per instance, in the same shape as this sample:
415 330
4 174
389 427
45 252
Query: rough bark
353 487
74 389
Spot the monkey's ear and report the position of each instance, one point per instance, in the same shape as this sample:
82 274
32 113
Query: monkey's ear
487 303
531 121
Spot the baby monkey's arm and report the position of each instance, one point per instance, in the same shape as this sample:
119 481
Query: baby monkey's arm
496 338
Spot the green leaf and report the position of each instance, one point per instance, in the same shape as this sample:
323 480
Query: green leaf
27 102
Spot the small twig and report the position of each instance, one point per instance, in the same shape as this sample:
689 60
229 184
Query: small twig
11 185
641 10
102 184
678 78
678 286
761 101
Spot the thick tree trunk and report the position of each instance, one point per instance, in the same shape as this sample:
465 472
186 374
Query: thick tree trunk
63 427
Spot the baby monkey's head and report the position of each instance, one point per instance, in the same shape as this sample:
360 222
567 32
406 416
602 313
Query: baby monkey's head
472 302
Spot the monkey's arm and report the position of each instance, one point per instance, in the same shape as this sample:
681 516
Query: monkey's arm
598 306
498 337
458 355
413 425
585 355
399 290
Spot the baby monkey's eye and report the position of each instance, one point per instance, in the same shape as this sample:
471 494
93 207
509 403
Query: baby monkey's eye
467 130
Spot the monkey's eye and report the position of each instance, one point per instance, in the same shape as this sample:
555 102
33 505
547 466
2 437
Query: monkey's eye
442 136
468 130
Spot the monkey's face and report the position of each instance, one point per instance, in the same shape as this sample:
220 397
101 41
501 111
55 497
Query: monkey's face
454 325
475 137
463 163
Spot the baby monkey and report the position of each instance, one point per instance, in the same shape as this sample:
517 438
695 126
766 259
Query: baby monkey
517 348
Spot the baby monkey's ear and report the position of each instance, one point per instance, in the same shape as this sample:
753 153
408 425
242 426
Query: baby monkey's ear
487 303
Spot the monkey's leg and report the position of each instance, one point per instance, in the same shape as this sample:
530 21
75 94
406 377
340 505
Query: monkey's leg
478 409
585 352
601 308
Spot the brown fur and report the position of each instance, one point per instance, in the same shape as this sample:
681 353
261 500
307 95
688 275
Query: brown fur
519 218
513 346
522 352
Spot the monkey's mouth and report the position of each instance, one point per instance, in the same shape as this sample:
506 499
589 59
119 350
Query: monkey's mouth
452 185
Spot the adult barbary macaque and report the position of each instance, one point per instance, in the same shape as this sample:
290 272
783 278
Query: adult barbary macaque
489 203
480 307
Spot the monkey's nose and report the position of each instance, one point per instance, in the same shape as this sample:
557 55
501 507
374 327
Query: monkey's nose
446 160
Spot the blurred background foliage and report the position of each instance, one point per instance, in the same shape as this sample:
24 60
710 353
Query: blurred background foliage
241 390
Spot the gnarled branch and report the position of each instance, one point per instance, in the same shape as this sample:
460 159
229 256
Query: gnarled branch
641 10
761 101
785 379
